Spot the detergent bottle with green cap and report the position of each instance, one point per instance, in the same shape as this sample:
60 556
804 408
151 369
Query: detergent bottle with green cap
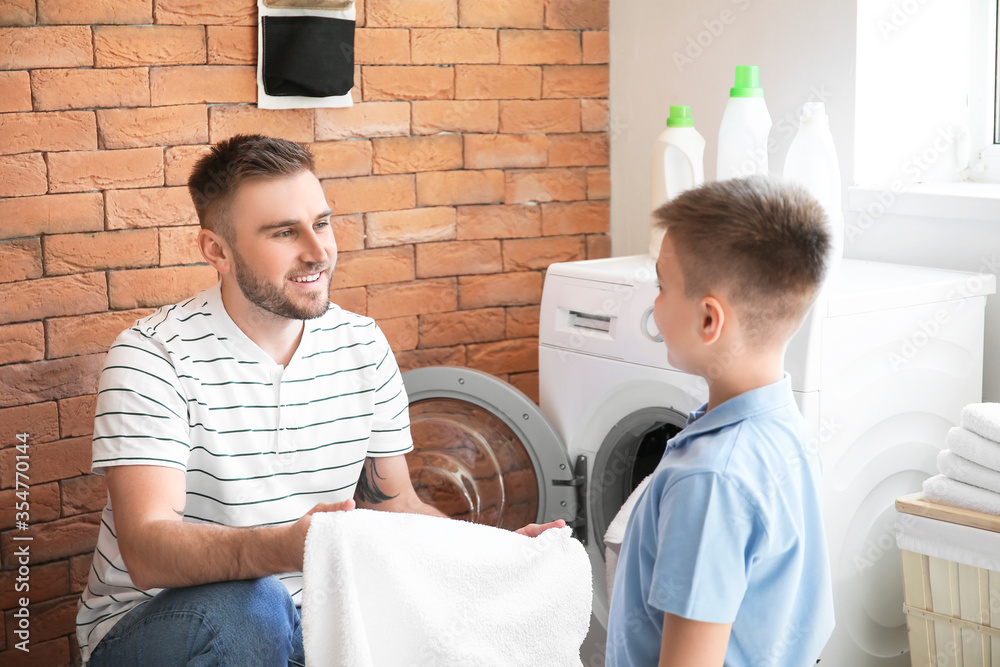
745 126
678 164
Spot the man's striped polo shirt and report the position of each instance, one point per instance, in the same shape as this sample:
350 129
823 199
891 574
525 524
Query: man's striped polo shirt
260 444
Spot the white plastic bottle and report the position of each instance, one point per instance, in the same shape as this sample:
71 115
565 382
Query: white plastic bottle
812 162
678 164
744 129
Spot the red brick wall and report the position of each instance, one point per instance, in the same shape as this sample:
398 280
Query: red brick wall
475 155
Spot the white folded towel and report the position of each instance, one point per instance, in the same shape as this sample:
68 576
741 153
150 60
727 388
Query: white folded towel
973 447
947 491
616 533
385 589
982 419
962 469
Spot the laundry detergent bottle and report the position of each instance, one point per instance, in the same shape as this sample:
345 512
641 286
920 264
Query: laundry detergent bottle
812 162
745 126
678 164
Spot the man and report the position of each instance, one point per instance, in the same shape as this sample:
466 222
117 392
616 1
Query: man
225 421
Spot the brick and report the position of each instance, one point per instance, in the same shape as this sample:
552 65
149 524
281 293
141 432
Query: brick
397 155
56 540
149 288
528 254
39 420
526 383
461 326
502 289
179 245
492 14
505 356
413 298
130 46
371 267
574 81
22 175
153 126
416 225
206 12
487 82
433 116
200 84
47 297
598 246
498 222
401 332
543 185
577 14
232 44
51 214
454 258
47 581
339 159
50 620
595 47
53 652
353 299
381 46
87 334
17 12
95 11
551 116
485 151
594 115
349 230
522 321
21 342
79 571
102 170
445 46
412 13
20 259
291 124
599 183
44 501
88 493
15 91
370 193
539 47
435 356
76 415
367 120
46 381
149 207
585 217
452 188
37 47
90 88
179 161
52 131
586 149
413 82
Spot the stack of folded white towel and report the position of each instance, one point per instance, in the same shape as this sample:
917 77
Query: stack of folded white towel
970 466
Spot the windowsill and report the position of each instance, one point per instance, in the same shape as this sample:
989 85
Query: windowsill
960 200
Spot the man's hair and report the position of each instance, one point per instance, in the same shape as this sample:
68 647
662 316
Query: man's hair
231 163
762 243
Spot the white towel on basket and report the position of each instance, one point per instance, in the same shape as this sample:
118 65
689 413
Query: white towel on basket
946 491
973 447
982 419
963 470
384 589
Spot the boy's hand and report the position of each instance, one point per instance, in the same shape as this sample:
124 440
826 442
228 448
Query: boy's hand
688 643
535 529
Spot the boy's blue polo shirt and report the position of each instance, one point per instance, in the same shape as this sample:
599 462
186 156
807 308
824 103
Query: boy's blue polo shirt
730 530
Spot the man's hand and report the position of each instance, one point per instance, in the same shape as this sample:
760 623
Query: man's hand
536 529
299 529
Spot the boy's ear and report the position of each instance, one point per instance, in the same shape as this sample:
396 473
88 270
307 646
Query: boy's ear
713 318
215 250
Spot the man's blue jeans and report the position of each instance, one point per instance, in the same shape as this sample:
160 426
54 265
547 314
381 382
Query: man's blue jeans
248 622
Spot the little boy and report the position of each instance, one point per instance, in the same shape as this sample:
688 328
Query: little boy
724 559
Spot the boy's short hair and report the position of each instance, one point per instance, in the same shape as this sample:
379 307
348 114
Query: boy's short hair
763 243
232 162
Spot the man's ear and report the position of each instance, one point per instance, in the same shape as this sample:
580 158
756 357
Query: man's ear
713 319
215 250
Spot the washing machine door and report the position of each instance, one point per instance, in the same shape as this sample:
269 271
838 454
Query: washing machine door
484 452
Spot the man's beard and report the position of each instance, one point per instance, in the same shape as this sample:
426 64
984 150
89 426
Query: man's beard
266 296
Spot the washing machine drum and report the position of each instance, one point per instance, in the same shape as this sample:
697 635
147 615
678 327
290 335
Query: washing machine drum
484 452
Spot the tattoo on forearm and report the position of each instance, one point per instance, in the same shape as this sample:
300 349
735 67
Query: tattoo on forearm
368 491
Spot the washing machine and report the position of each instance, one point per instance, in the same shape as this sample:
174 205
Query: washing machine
881 368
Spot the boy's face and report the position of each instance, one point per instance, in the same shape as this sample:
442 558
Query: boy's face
677 317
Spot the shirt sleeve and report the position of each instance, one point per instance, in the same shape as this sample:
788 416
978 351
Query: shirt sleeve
391 422
707 540
141 416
